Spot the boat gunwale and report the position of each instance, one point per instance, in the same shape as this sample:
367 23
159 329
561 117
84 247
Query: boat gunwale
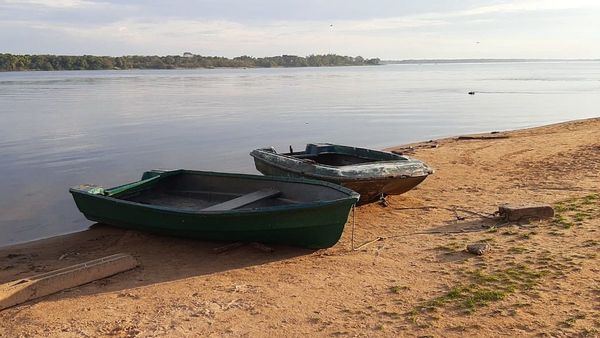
290 156
351 195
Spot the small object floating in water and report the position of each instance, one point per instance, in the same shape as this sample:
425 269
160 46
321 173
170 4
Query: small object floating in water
371 173
47 283
223 207
471 93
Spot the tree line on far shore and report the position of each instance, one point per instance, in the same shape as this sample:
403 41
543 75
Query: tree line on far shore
11 62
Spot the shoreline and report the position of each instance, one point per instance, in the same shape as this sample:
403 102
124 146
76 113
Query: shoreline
412 277
390 148
476 61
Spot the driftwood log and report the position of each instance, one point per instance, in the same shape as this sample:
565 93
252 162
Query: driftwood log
522 212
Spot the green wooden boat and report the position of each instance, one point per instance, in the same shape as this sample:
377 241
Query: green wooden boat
372 173
223 207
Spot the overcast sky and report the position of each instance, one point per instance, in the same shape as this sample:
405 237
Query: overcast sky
388 29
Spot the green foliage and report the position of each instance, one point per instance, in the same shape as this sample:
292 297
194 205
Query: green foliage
10 62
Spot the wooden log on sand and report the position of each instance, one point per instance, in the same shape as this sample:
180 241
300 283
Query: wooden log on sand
522 212
44 284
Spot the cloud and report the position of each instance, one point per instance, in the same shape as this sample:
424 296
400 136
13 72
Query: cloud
432 19
530 6
121 28
52 3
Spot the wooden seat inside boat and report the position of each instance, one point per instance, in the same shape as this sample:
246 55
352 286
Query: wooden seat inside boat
243 200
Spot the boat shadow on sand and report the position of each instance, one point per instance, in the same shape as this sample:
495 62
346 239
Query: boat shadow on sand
161 258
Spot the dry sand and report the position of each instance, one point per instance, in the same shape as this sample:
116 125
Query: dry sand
540 279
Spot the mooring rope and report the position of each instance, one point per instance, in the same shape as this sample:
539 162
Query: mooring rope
353 225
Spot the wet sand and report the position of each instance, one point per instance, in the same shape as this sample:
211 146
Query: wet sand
412 276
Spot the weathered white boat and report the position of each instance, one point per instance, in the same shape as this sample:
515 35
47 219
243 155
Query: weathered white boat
372 173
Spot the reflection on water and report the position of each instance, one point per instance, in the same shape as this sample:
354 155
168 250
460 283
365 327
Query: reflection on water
60 129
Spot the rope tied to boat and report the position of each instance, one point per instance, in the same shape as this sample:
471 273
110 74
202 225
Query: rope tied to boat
353 226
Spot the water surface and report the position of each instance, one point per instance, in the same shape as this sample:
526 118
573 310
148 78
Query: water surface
59 129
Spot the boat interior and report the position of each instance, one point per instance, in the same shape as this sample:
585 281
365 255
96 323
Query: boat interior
337 156
200 192
332 159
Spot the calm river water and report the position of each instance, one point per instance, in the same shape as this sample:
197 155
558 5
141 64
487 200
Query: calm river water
59 129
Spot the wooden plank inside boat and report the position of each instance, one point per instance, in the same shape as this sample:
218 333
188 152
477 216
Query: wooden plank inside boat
244 200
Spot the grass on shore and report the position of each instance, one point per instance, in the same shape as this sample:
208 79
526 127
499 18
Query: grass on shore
482 287
575 211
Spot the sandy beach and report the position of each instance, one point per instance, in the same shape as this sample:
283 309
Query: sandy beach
409 276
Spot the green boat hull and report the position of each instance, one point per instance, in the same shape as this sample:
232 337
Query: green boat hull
315 224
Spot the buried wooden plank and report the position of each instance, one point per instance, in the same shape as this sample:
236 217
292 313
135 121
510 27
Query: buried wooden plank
482 137
44 284
244 200
227 247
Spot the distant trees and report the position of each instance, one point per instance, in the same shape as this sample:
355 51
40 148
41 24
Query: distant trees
10 62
